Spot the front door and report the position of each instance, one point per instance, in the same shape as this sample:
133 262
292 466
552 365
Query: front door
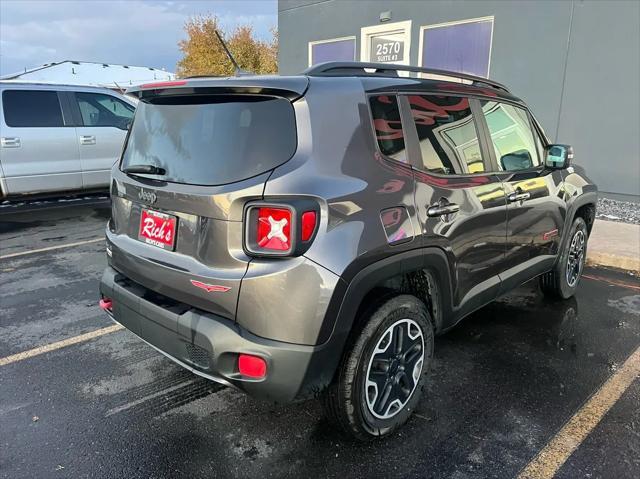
100 135
535 205
38 149
461 207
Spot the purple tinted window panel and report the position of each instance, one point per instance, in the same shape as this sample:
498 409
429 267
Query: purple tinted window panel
338 51
464 48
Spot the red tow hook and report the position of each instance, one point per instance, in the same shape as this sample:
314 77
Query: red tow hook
106 304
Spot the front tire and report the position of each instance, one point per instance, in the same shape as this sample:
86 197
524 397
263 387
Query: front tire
381 376
563 280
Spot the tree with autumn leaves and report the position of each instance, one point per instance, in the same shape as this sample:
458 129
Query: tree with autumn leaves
204 55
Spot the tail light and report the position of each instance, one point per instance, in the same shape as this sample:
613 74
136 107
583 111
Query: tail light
280 229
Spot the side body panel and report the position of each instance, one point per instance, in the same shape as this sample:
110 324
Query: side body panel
357 189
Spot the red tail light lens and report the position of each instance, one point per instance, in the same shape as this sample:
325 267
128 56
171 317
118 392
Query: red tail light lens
252 366
308 224
274 229
283 228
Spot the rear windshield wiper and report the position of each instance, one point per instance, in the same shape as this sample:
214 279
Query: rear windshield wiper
148 169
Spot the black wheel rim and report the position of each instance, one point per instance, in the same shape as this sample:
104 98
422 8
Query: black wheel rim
575 261
394 369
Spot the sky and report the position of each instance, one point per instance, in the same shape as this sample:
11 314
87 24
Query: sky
131 32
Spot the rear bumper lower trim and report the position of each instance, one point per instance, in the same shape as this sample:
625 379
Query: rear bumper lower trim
209 345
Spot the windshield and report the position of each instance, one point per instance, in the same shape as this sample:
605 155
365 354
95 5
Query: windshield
211 140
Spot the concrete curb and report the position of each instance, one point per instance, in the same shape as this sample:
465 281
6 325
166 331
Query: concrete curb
615 245
613 261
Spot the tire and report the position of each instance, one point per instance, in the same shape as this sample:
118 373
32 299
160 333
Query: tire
563 280
353 401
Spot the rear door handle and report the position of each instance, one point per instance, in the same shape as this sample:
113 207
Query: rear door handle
514 197
10 142
87 140
442 210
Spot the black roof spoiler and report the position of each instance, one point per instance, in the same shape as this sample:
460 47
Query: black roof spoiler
391 70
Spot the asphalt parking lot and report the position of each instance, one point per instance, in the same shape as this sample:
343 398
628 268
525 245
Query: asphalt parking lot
504 383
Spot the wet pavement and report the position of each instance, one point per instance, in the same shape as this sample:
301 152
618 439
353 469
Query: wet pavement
503 383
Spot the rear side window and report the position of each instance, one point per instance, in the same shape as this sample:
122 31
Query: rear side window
511 135
98 109
31 108
212 140
447 134
388 126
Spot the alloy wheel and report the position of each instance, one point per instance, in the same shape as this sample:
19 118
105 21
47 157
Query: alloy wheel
394 369
575 261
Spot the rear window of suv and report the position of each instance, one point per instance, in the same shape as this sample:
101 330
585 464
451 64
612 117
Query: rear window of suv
212 140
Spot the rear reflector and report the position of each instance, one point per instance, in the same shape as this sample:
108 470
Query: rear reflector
308 224
252 366
274 229
106 304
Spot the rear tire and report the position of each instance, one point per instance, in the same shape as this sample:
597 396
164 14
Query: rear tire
563 280
382 374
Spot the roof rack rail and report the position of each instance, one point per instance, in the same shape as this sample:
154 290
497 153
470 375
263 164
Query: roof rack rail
390 70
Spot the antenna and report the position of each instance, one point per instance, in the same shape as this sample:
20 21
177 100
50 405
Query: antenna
239 71
119 87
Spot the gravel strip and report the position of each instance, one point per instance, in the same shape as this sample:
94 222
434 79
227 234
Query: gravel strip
620 211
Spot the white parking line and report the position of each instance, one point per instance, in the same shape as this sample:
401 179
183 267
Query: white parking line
59 344
51 248
550 459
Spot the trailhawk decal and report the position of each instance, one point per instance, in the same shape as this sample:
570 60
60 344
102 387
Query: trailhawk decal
210 288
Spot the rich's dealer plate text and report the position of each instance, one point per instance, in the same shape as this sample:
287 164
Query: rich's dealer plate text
158 229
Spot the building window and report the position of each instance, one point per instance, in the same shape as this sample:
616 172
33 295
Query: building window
463 46
333 50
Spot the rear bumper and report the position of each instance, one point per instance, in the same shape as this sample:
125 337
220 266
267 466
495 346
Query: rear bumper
209 345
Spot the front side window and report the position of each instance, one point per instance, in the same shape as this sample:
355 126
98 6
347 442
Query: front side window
388 126
104 110
511 135
31 108
447 134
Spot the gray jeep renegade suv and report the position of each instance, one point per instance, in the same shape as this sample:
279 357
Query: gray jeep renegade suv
309 235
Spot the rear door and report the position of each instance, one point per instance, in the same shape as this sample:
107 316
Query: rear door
102 128
535 200
461 205
38 148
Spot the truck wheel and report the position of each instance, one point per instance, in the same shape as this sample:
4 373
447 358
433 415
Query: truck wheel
562 281
382 374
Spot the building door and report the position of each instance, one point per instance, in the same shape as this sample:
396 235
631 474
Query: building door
386 43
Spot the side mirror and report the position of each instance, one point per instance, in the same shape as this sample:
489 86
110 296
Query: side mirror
559 156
